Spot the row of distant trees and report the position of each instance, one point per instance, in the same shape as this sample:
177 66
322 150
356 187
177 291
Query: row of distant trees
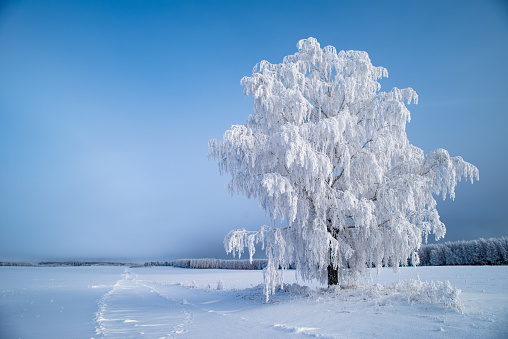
493 251
67 263
11 263
241 264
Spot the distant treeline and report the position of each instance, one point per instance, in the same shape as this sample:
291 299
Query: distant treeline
492 251
239 264
68 263
9 263
86 263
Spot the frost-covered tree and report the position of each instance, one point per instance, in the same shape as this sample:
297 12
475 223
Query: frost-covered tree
327 152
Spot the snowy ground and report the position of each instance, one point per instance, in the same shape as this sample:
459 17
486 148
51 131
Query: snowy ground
166 302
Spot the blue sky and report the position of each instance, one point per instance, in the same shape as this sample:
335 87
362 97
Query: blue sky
106 109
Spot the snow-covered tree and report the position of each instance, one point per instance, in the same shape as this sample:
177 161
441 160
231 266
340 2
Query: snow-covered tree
327 152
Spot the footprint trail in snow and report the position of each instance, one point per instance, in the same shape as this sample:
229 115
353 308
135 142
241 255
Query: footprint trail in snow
137 308
132 310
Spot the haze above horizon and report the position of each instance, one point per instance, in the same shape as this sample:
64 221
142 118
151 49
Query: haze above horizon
106 109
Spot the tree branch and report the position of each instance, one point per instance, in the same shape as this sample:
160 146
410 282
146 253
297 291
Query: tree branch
337 178
284 116
361 148
323 112
342 103
310 199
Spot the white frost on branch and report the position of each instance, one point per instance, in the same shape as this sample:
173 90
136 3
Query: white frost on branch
327 152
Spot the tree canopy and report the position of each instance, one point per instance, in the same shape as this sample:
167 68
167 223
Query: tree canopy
326 152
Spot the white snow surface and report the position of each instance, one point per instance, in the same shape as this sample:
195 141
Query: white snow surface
168 302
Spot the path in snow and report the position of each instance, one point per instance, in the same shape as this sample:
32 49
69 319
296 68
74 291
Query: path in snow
162 303
137 308
132 310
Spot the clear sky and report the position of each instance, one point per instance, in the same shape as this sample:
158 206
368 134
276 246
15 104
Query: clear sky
106 109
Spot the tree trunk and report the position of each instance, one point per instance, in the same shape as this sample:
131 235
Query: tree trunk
333 275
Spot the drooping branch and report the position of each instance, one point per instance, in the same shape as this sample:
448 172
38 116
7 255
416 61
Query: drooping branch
337 178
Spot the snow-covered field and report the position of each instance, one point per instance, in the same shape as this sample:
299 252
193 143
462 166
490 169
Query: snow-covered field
162 302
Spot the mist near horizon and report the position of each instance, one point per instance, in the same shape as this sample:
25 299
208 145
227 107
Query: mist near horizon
106 110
